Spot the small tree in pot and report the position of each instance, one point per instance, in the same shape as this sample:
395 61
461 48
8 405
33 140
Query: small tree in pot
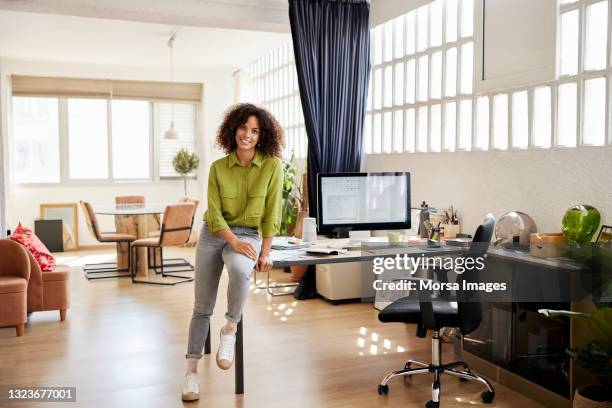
185 163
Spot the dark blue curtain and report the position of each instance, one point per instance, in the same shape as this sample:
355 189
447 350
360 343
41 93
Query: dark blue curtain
331 44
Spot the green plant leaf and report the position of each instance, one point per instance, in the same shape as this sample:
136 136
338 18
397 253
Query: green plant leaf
601 327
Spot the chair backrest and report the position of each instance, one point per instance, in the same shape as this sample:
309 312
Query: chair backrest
468 301
186 199
129 200
176 224
14 260
90 219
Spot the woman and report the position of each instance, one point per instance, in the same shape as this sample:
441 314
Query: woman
244 204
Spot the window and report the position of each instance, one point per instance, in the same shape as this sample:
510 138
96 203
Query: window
596 36
434 79
131 127
566 124
97 139
430 68
87 139
36 147
500 122
520 120
594 132
569 43
276 71
542 117
185 124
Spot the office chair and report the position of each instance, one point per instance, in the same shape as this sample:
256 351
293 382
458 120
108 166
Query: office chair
434 313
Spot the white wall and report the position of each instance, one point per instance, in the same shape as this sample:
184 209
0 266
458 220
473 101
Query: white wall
23 201
385 10
541 183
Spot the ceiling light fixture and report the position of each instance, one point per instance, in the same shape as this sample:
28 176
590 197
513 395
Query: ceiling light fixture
171 133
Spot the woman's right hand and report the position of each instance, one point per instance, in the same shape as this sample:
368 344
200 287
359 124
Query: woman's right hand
245 248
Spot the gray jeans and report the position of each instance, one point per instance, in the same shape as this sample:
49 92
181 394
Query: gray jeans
212 253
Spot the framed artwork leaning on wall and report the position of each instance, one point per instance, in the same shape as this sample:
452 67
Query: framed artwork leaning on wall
70 222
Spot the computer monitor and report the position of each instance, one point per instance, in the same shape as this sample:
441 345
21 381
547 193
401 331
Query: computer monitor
362 201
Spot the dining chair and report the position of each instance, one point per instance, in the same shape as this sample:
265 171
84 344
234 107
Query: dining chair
105 269
174 262
177 223
129 200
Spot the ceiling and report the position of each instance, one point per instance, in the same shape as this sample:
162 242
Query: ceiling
260 15
214 33
30 36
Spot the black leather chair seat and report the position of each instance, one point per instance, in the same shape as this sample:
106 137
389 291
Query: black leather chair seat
407 310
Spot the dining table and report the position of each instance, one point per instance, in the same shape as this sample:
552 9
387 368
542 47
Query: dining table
138 220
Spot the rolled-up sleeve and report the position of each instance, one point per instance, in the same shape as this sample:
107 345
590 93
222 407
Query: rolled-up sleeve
273 211
214 215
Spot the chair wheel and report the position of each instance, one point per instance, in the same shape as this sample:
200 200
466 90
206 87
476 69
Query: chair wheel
487 396
383 389
431 404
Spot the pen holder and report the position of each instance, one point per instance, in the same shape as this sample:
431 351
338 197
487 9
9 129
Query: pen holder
451 230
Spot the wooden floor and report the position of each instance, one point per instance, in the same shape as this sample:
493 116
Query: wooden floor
123 345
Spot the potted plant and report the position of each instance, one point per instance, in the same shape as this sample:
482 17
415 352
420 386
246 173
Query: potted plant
292 209
291 198
595 357
185 163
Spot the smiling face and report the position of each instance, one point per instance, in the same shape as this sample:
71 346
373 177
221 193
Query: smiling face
247 134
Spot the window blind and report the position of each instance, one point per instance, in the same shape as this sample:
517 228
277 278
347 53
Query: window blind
184 124
105 88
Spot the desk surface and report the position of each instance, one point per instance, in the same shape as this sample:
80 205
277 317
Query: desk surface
515 255
367 252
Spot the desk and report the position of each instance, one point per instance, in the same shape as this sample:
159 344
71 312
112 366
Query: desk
137 220
515 345
368 252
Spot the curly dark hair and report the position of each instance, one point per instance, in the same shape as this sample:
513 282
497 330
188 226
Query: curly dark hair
270 132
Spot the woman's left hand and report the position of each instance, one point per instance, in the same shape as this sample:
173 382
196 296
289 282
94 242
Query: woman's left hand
264 264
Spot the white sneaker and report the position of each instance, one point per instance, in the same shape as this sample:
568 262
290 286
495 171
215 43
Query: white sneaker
191 387
225 353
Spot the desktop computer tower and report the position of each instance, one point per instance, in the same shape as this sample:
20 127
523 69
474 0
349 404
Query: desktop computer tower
345 281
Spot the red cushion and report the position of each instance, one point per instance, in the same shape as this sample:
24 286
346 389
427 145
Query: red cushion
40 252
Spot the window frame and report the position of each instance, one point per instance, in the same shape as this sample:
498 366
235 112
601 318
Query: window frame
155 135
579 78
429 51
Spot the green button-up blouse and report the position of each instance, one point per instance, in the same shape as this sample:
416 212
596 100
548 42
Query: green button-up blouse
245 196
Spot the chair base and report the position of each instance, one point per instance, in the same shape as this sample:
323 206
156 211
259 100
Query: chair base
152 265
104 270
436 368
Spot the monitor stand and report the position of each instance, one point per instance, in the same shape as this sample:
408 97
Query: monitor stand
338 233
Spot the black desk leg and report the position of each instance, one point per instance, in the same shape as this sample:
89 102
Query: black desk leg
207 343
239 369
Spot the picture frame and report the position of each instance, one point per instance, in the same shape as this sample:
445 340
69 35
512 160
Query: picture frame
67 212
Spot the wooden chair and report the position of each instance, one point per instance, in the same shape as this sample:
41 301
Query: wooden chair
175 230
105 269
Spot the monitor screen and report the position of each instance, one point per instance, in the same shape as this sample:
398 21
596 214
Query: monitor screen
362 201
